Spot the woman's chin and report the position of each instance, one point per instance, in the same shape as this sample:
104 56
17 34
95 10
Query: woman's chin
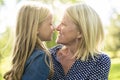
58 41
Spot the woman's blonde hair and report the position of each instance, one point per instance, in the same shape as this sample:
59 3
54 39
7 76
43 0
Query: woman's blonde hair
90 27
31 15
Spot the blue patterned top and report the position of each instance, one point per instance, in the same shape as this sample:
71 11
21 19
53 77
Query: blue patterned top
97 69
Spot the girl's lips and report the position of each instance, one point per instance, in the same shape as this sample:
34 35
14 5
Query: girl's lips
59 34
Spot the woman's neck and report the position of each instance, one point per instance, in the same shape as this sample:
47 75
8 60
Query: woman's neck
65 57
72 48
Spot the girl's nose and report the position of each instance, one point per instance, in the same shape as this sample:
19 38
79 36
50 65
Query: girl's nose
58 27
53 27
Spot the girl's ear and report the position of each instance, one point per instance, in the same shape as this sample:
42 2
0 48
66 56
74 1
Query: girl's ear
38 31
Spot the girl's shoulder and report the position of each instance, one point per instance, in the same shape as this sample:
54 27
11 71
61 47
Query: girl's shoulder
55 48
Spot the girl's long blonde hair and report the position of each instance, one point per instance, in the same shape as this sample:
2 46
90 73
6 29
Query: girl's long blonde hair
31 15
90 27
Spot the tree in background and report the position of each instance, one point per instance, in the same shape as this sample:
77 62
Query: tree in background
1 2
113 36
6 40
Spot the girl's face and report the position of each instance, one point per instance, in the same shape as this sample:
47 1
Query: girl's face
46 29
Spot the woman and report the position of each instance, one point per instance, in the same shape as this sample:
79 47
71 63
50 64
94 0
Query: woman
31 59
80 57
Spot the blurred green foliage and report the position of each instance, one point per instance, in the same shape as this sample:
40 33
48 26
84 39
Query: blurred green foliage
112 43
52 43
1 2
6 40
115 72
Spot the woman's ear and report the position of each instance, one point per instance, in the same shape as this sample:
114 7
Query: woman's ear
79 35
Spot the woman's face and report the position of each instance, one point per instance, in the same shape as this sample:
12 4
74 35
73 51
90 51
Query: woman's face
68 33
46 29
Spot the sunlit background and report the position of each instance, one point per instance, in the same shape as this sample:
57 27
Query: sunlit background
109 11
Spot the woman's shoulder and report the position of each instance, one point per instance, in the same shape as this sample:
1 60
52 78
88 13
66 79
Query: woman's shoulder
102 67
103 61
100 60
103 57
